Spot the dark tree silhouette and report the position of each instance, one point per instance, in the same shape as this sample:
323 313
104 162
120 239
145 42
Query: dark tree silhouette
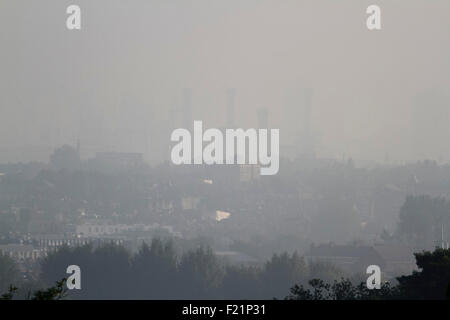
432 281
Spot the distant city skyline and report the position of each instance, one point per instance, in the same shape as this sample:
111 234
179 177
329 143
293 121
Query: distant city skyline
115 84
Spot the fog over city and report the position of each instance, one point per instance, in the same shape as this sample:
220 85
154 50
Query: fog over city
347 170
117 85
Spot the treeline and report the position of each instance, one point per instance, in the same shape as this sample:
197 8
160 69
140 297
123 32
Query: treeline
156 272
432 282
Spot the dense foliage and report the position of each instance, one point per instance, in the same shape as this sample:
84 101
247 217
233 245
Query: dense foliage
156 272
431 282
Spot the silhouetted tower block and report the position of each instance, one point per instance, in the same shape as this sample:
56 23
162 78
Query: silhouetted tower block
231 97
78 148
307 109
263 118
263 123
186 111
306 136
430 113
298 122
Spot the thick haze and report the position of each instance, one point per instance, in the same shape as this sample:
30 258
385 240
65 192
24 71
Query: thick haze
116 84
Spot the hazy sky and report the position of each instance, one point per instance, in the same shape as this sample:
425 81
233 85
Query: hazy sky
116 83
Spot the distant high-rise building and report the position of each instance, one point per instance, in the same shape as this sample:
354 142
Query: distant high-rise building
263 118
298 124
78 148
231 97
307 108
306 137
179 116
430 115
186 111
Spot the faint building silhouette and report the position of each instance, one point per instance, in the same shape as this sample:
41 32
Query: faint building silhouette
231 100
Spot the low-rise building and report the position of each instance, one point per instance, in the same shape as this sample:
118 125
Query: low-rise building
392 259
20 252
